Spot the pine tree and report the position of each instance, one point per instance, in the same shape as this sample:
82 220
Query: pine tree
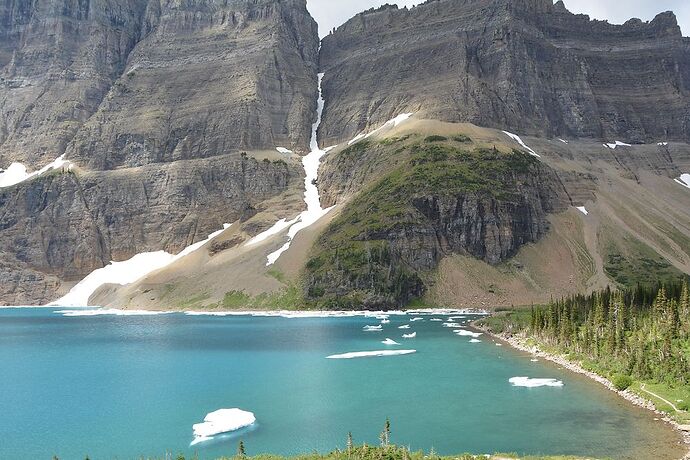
240 450
385 436
350 443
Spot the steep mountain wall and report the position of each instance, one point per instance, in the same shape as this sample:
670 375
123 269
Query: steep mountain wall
523 65
154 103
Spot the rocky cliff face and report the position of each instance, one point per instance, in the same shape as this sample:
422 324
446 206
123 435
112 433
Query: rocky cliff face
153 102
524 65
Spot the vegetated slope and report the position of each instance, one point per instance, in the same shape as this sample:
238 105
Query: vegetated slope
463 216
529 66
154 104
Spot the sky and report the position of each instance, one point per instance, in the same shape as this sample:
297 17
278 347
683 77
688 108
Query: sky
332 13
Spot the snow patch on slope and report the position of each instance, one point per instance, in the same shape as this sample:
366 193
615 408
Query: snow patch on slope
617 144
125 272
583 210
392 123
17 173
684 180
517 139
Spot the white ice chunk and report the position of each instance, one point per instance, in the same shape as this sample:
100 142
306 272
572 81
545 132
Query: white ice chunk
404 326
110 312
517 139
385 321
466 333
389 342
221 421
373 328
452 325
410 336
534 383
417 318
369 354
583 210
283 150
475 341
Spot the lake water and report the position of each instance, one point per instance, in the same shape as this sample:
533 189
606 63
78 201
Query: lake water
130 386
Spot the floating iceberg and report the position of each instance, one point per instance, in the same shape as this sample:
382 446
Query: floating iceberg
416 318
410 336
110 312
371 354
385 321
436 319
466 333
389 342
373 328
404 326
583 210
475 341
517 139
221 421
534 383
534 360
452 325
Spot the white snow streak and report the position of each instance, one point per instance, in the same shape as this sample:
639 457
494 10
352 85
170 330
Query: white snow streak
387 125
283 150
617 144
517 139
311 163
583 210
684 180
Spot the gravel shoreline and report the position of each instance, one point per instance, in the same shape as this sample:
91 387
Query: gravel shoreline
519 343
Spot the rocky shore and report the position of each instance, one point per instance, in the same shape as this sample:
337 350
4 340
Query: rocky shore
520 343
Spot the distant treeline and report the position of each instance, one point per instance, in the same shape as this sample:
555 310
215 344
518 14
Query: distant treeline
642 332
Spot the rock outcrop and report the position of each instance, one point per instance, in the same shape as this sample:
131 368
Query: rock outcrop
527 66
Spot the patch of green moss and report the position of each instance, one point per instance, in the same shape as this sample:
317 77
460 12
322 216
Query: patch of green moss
435 138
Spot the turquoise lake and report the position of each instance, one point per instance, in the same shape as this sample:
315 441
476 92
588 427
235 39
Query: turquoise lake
123 387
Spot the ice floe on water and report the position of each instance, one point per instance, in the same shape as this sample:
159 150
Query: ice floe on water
125 272
583 210
534 383
410 336
534 360
404 326
416 318
466 333
389 342
378 328
387 125
475 341
221 421
385 321
283 150
452 324
517 139
109 312
371 354
17 172
684 180
436 319
613 145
